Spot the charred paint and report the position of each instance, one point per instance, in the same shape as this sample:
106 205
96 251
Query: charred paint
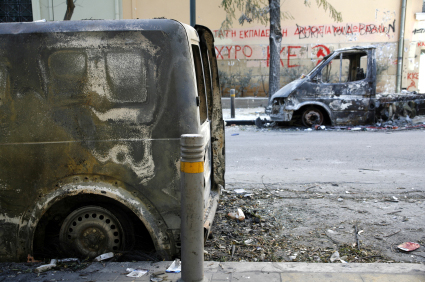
339 89
97 108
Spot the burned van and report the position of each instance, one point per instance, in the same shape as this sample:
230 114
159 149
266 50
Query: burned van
339 90
91 114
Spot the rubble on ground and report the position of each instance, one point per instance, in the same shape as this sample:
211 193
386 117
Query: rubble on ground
261 236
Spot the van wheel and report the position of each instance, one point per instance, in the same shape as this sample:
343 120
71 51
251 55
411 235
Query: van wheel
312 116
91 231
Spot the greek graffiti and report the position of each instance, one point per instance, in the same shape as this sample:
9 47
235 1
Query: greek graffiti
349 29
247 33
235 52
321 53
246 51
312 31
225 33
412 76
289 55
292 55
280 53
421 44
420 30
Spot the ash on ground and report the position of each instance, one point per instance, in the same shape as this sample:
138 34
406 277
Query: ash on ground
306 224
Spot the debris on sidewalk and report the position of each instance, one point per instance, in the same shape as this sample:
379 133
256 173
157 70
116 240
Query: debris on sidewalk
335 256
272 218
31 259
66 260
239 191
46 267
136 272
175 267
408 246
104 256
239 215
158 276
392 199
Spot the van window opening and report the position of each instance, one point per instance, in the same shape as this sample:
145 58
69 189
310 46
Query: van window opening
345 67
208 77
200 83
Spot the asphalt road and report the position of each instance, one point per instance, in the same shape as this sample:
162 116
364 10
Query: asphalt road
330 189
375 160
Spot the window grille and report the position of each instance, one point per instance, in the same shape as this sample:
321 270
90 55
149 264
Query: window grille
16 11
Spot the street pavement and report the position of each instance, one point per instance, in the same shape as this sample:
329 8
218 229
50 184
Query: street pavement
241 271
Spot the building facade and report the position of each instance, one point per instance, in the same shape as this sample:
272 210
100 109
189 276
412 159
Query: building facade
308 35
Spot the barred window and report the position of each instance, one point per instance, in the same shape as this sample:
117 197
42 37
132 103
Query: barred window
16 11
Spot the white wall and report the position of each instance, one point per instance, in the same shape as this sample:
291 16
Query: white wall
54 10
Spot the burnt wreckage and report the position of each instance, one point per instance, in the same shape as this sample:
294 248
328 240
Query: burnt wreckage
341 90
91 114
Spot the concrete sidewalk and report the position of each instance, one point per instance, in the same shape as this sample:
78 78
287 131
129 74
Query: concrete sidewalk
246 271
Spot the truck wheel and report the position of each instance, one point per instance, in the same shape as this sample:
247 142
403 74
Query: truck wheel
92 230
312 116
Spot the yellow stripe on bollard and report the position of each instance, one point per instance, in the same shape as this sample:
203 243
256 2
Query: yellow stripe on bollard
187 167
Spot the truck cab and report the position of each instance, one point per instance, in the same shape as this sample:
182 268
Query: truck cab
340 90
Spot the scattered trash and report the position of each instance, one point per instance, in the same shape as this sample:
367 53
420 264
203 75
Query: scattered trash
175 267
31 259
408 246
248 195
249 241
235 134
157 279
293 257
136 272
239 191
340 199
356 129
392 199
46 267
237 215
319 127
308 129
104 256
69 260
335 256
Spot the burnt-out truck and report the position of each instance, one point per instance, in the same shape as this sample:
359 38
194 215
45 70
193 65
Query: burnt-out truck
91 114
340 90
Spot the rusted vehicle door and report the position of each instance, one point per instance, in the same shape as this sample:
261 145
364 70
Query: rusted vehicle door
346 85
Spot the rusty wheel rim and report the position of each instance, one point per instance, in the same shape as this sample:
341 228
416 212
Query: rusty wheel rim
90 231
312 117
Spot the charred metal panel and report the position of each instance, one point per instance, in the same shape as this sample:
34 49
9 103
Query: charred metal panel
214 107
96 98
394 106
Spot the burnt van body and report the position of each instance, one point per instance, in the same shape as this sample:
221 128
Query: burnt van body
340 90
91 114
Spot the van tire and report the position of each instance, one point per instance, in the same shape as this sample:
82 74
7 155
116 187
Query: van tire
312 116
90 231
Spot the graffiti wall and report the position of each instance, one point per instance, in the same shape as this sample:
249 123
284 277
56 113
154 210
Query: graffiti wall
307 36
243 53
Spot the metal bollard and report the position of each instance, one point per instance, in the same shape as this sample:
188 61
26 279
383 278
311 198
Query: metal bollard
192 207
232 103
